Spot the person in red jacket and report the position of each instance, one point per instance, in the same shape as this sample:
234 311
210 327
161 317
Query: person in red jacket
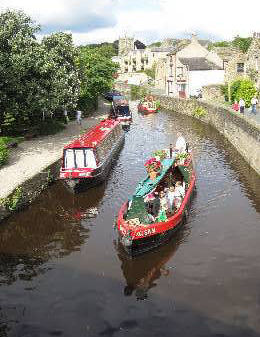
235 106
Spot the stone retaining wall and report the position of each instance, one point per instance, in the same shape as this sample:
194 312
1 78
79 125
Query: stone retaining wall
243 133
30 189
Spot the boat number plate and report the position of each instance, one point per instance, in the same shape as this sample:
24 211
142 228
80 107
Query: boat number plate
146 232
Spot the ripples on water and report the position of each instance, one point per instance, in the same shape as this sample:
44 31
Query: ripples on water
63 272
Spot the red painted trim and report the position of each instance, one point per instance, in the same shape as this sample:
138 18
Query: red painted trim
159 227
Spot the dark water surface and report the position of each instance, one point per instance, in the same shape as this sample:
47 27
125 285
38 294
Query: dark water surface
62 273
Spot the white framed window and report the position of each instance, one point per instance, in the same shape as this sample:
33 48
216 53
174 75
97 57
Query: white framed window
79 158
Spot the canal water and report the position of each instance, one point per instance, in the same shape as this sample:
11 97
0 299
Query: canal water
62 272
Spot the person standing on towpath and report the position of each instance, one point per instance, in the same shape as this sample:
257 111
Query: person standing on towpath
242 105
78 116
254 102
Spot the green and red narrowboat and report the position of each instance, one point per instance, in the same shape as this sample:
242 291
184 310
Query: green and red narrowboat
148 105
87 160
146 109
137 232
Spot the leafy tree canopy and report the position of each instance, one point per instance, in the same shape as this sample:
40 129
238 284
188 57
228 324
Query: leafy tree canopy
96 71
243 43
156 44
36 78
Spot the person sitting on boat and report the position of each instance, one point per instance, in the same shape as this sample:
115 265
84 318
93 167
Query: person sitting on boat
163 202
180 145
170 198
152 204
163 207
179 193
179 189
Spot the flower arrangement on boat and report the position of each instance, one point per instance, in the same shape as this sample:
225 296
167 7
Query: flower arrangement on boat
153 167
160 154
181 157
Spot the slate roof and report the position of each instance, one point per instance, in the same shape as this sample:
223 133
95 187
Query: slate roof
204 43
162 49
199 63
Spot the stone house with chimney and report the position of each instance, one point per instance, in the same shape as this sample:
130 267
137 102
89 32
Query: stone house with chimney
188 68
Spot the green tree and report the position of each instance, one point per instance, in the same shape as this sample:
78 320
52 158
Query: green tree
156 44
60 72
246 90
17 45
35 78
234 89
218 44
243 43
96 71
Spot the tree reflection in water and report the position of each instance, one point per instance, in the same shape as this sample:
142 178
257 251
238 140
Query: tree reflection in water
52 227
142 271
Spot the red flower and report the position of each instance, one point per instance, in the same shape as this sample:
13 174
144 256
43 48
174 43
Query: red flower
152 165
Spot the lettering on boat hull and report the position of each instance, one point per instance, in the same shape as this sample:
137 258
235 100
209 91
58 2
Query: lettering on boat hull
146 232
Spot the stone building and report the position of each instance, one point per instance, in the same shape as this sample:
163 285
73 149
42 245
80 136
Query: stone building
238 65
189 67
133 59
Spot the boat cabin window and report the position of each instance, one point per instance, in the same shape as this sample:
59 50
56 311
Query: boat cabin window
79 158
123 110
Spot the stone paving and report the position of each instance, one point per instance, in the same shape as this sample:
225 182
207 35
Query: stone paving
254 116
33 156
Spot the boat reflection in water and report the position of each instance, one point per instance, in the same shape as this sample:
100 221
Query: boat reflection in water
142 271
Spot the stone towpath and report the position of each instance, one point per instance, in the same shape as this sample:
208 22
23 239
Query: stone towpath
33 156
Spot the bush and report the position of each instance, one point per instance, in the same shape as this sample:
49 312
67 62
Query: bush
246 90
4 153
199 112
138 92
12 202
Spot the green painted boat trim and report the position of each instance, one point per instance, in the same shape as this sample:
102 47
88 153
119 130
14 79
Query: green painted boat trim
147 185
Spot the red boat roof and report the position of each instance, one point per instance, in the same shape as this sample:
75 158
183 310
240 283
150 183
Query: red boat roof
95 135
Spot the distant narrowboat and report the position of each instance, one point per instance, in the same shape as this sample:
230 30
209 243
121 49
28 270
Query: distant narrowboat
122 114
120 110
138 229
147 108
87 160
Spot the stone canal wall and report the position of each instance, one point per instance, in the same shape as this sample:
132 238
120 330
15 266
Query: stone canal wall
35 164
242 132
28 191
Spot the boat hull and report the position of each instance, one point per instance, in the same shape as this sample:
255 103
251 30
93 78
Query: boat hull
148 237
146 111
99 175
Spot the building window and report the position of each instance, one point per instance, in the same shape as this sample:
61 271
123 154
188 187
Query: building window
182 87
171 74
225 63
240 67
180 71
